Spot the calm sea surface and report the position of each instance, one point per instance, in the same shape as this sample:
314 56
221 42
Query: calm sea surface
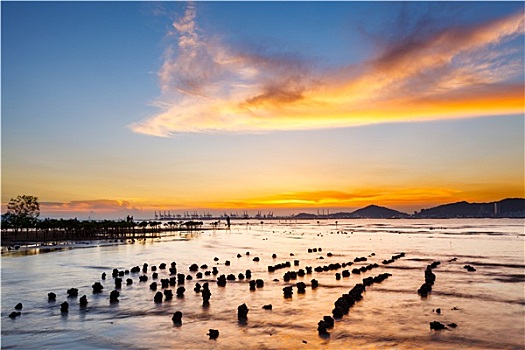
487 305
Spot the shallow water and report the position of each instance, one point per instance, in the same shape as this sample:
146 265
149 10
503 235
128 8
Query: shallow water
487 305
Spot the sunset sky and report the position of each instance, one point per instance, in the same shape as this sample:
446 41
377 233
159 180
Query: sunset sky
117 108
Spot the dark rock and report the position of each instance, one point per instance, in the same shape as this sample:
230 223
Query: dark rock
168 294
19 306
252 285
158 297
452 325
213 333
469 268
97 288
437 326
230 277
274 256
315 283
288 291
199 275
153 268
256 258
162 266
83 301
177 318
103 275
259 283
301 287
242 312
129 281
267 307
14 314
221 281
227 263
189 278
180 292
72 292
338 312
64 307
194 267
424 290
180 278
206 294
113 296
143 278
240 276
118 283
204 266
329 321
216 259
197 288
154 275
153 286
322 327
51 296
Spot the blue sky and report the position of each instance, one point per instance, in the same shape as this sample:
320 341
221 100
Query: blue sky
131 107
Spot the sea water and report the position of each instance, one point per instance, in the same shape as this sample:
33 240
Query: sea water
487 305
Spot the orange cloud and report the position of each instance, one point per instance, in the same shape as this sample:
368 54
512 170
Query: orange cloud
86 206
454 73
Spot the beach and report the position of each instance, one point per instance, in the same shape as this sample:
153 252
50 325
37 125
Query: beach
481 309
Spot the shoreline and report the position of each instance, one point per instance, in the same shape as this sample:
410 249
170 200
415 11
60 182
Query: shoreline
26 241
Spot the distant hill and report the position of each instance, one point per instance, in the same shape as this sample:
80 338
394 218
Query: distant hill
506 208
510 207
369 212
305 216
377 212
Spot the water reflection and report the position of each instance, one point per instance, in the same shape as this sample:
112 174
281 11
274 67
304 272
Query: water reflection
390 315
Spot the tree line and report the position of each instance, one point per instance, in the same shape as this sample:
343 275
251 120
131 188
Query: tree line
23 212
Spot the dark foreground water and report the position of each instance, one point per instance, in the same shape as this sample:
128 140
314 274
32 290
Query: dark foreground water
487 305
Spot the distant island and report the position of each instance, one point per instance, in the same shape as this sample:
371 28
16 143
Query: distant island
506 208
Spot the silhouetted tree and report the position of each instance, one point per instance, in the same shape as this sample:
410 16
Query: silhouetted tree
23 212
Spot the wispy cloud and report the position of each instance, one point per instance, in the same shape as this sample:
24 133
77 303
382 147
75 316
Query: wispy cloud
106 206
460 71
